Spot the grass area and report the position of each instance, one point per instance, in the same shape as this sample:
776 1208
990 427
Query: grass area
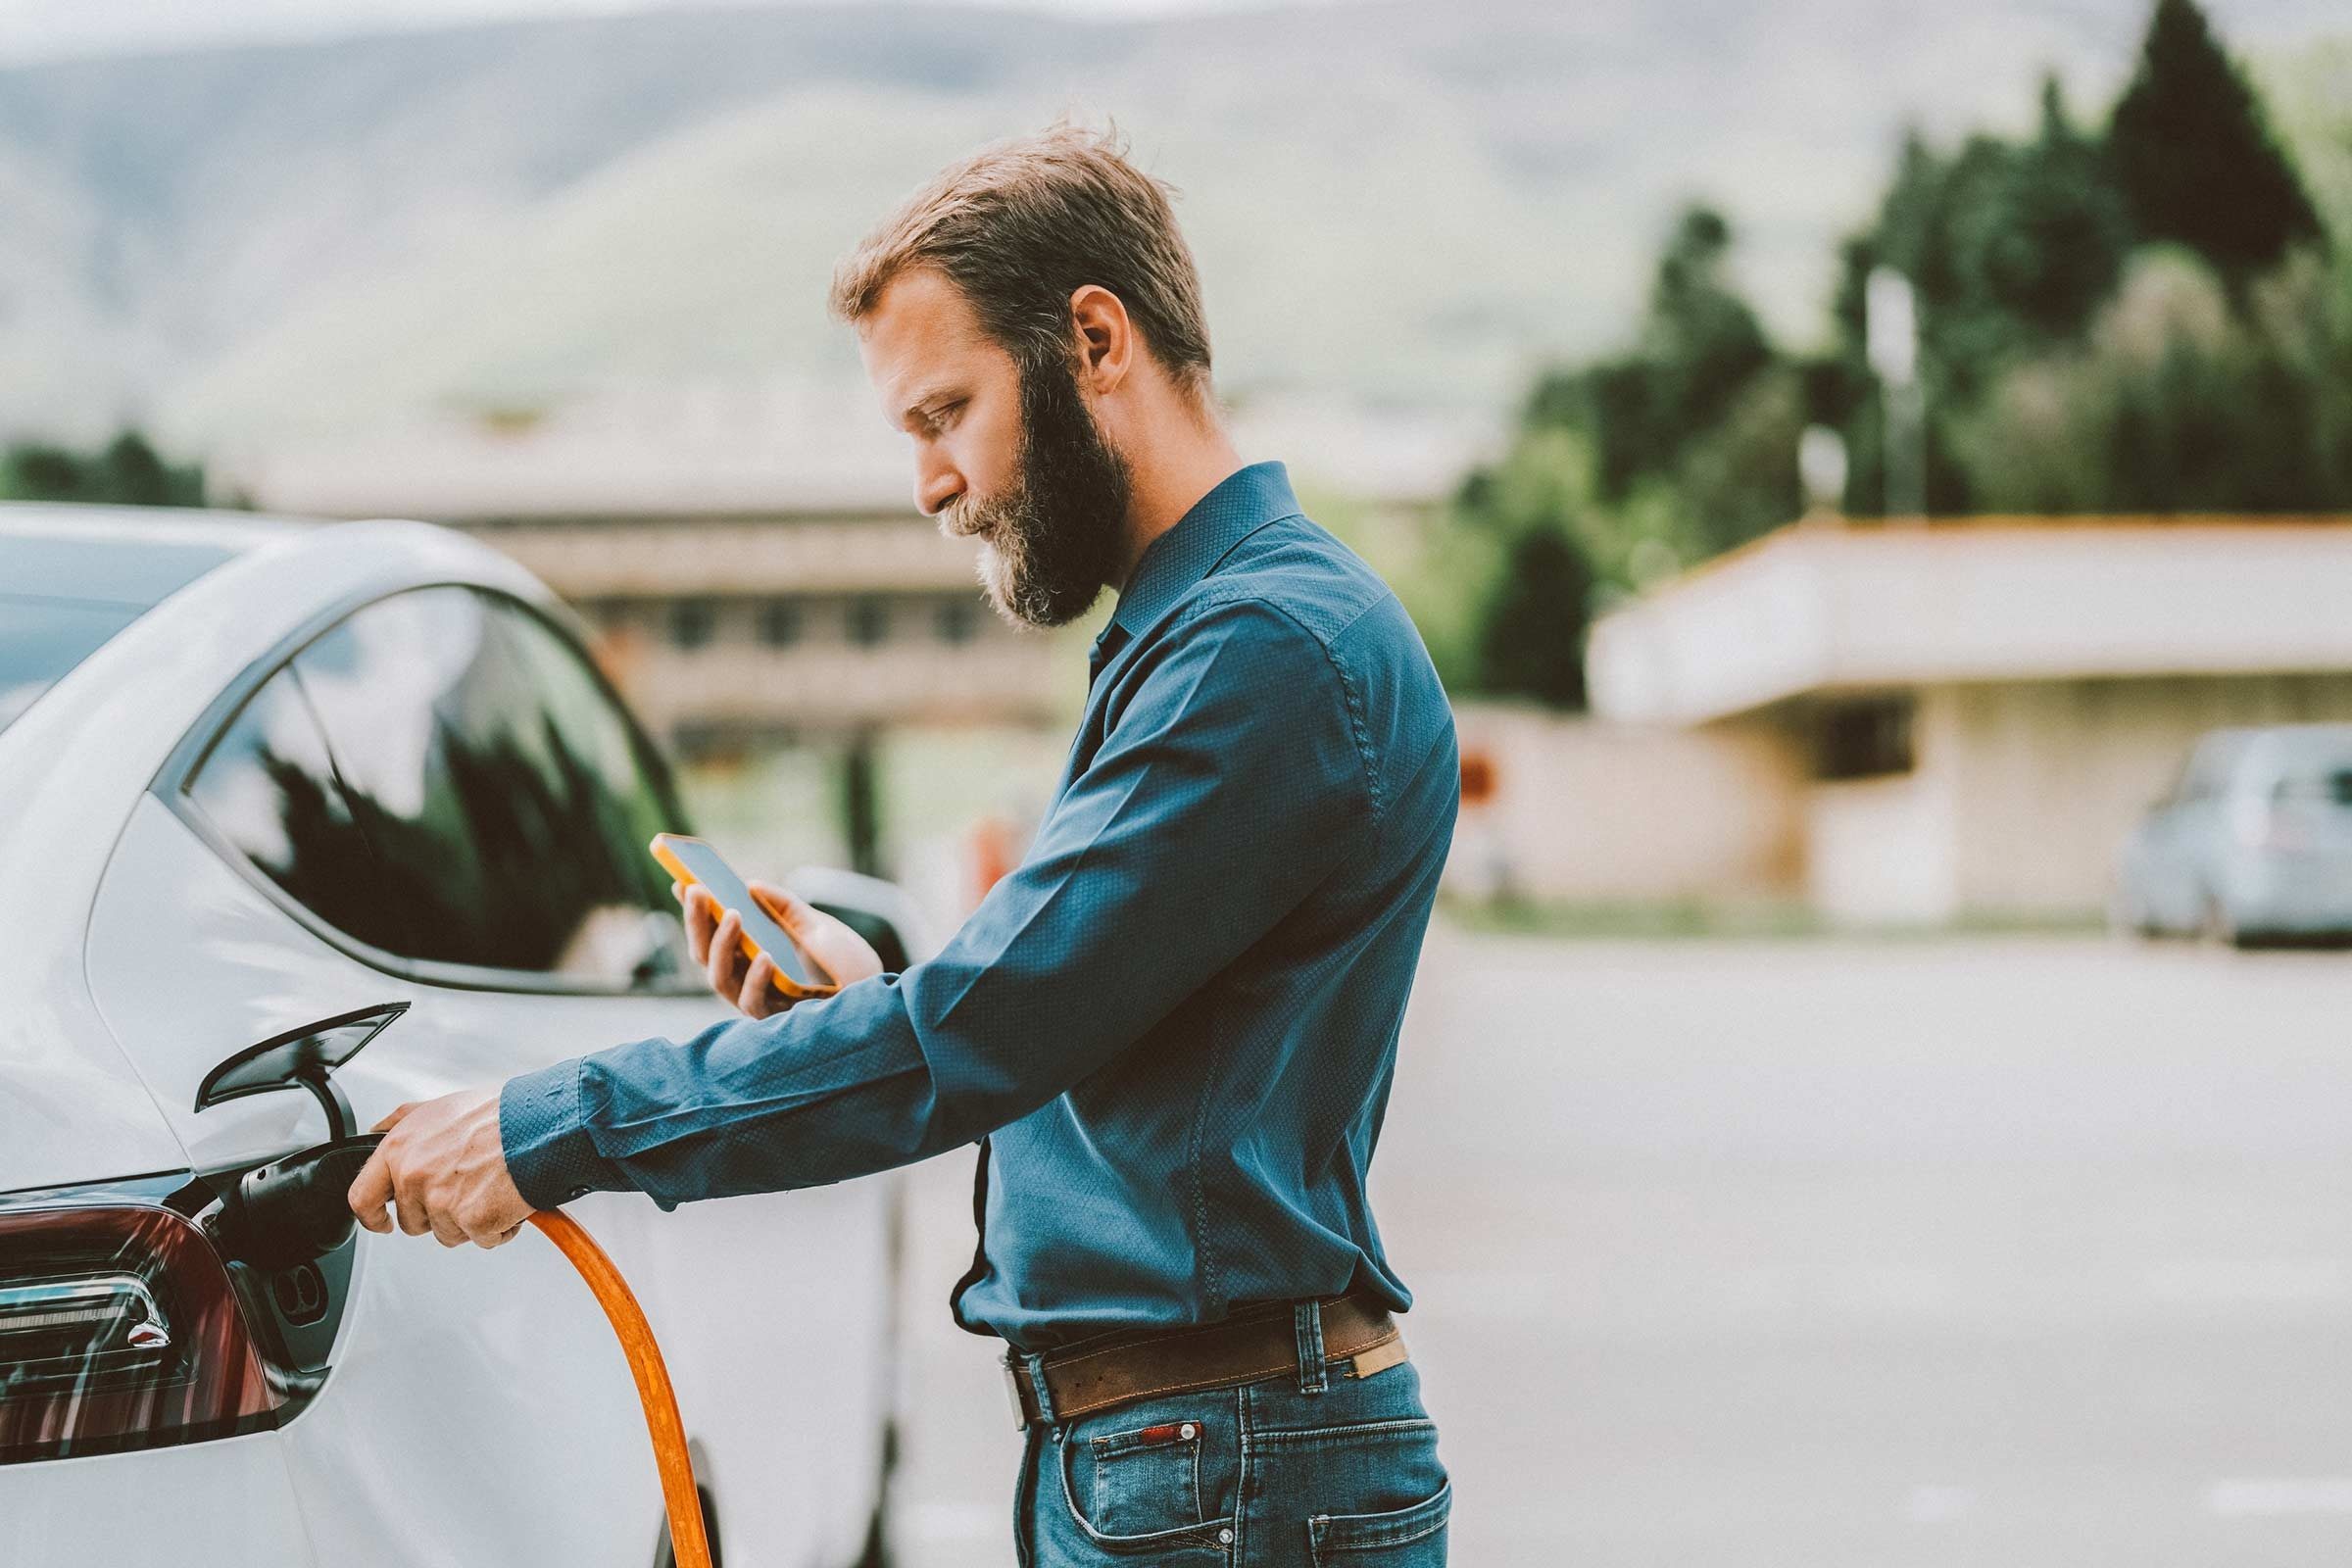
1778 919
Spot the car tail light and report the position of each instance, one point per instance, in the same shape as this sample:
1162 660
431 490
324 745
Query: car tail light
119 1327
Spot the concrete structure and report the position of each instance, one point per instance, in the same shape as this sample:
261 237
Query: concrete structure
1979 709
1591 811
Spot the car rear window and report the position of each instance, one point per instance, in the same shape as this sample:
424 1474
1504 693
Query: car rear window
2326 777
2333 785
62 597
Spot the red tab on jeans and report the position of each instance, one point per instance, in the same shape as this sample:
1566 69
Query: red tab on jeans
1165 1431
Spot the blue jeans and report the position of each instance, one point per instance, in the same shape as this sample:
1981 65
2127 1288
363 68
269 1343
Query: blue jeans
1309 1468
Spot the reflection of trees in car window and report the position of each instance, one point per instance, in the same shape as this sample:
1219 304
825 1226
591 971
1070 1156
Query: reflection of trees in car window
268 788
498 800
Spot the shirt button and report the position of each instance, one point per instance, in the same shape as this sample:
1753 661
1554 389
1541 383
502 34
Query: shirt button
577 1192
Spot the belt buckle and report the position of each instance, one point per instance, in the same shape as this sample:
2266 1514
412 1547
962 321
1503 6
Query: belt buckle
1013 1392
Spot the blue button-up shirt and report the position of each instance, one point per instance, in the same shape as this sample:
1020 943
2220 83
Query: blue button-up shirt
1173 1028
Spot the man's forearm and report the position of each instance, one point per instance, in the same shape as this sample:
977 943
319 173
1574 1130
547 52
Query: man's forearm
830 1090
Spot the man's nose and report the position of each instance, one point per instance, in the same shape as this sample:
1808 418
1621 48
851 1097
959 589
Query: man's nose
936 483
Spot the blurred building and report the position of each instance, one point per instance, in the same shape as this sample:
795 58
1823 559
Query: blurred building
1973 713
752 554
757 573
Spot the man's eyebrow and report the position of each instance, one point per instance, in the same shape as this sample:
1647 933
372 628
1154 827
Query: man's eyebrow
931 395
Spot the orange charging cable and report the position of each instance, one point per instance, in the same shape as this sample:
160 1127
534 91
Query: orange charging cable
687 1542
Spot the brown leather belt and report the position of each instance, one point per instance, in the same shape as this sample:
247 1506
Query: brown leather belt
1258 1342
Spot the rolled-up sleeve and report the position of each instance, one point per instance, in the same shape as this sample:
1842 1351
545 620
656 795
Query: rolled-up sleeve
1232 780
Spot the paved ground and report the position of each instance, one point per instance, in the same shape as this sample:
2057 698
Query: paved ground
1990 1253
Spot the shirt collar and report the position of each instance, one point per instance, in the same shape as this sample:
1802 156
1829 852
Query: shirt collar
1242 502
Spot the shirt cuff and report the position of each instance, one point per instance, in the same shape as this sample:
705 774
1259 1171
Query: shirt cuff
550 1155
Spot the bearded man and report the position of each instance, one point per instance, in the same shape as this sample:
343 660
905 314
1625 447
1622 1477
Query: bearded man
1172 1030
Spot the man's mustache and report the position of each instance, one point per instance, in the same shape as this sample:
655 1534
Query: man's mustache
963 521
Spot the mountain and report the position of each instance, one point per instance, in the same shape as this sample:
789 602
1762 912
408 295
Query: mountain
1392 203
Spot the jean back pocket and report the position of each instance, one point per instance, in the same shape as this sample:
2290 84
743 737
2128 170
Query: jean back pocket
1401 1538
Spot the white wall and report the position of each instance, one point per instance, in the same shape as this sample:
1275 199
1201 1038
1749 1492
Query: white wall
2049 777
1587 810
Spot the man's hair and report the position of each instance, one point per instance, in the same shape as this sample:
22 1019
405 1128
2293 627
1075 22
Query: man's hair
1022 224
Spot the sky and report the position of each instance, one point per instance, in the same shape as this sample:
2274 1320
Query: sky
48 29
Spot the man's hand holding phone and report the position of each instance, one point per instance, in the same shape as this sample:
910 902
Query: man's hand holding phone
715 936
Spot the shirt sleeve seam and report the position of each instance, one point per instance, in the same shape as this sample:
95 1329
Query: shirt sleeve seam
1358 726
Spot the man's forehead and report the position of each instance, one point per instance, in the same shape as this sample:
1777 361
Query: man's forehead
920 330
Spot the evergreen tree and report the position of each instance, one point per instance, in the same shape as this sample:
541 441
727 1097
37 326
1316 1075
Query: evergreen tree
1530 640
2054 233
127 471
1699 345
2193 154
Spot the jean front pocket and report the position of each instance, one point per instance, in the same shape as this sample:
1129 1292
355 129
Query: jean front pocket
1140 1480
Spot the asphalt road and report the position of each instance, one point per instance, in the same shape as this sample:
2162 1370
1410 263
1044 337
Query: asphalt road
2009 1253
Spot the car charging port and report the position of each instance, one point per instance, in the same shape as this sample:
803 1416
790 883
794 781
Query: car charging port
284 1216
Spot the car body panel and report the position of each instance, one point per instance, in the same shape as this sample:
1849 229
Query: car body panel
478 1409
431 1328
229 1503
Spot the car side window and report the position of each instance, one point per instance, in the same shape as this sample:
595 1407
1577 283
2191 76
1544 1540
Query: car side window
503 798
267 787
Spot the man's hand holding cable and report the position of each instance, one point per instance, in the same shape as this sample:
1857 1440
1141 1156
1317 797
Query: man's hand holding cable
442 1165
443 1169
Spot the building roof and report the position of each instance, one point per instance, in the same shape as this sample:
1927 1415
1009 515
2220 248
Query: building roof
1826 606
789 448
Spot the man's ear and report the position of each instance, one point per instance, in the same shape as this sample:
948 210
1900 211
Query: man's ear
1105 338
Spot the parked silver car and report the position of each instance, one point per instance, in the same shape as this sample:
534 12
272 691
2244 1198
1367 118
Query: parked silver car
2253 843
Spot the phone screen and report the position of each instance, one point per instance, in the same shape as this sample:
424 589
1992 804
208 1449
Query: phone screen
705 865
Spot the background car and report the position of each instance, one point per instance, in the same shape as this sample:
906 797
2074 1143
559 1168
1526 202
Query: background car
255 774
2252 843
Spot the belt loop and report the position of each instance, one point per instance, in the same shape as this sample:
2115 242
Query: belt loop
1306 1317
1035 1362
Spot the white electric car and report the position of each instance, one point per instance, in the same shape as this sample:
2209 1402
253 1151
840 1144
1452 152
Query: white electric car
256 777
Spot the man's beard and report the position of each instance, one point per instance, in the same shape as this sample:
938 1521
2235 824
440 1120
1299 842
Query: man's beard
1049 542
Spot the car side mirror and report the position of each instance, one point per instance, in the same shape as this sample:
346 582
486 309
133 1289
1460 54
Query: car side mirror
880 911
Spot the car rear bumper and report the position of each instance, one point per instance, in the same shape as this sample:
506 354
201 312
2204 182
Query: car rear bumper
2304 895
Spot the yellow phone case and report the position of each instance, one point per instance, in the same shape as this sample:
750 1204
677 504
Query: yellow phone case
750 948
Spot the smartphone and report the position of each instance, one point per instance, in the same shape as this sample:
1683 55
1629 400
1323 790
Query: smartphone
693 860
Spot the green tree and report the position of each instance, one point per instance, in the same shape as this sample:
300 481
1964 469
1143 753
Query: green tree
2010 248
127 471
2047 245
2178 401
1698 345
1530 640
2194 156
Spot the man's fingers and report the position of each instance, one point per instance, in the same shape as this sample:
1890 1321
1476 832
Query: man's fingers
701 919
724 965
408 1201
785 905
392 1118
836 948
756 997
370 1190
